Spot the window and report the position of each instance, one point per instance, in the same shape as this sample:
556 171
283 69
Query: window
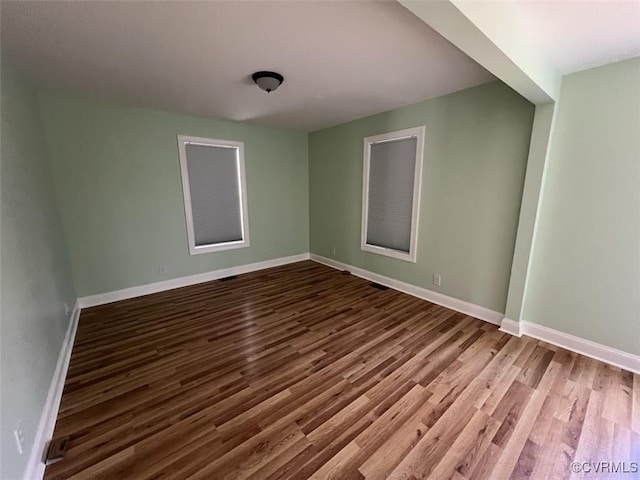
391 193
215 194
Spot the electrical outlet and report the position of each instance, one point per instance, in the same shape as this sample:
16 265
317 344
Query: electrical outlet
18 433
334 251
437 279
163 270
67 309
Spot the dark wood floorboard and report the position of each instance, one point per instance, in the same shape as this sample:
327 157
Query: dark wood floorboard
304 372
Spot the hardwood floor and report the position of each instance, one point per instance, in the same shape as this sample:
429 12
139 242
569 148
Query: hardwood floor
303 372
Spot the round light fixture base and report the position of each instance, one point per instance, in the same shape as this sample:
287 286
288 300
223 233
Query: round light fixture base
267 81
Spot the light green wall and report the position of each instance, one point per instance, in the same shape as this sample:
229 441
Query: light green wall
585 272
475 156
117 175
36 280
529 208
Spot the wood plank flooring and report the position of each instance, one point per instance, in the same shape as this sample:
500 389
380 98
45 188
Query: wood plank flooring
304 372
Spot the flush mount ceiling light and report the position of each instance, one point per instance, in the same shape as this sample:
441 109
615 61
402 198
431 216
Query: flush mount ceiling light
267 81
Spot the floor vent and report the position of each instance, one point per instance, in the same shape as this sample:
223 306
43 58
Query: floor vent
56 450
378 286
226 279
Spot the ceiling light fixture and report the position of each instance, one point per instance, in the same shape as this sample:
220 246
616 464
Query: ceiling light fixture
267 81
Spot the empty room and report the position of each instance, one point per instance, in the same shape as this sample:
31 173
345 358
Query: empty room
320 240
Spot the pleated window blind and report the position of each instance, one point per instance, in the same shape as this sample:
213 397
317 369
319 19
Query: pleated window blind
215 200
391 191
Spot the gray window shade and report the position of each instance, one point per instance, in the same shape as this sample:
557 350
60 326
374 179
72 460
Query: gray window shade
391 178
215 194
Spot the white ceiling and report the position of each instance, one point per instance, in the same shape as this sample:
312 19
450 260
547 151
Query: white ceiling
340 60
580 34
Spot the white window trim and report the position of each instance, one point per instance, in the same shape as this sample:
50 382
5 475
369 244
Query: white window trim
418 133
186 190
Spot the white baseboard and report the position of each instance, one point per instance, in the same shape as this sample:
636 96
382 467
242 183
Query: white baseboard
109 297
35 466
610 355
511 327
467 308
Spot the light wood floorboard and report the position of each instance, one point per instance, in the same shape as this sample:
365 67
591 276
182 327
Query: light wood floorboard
302 371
